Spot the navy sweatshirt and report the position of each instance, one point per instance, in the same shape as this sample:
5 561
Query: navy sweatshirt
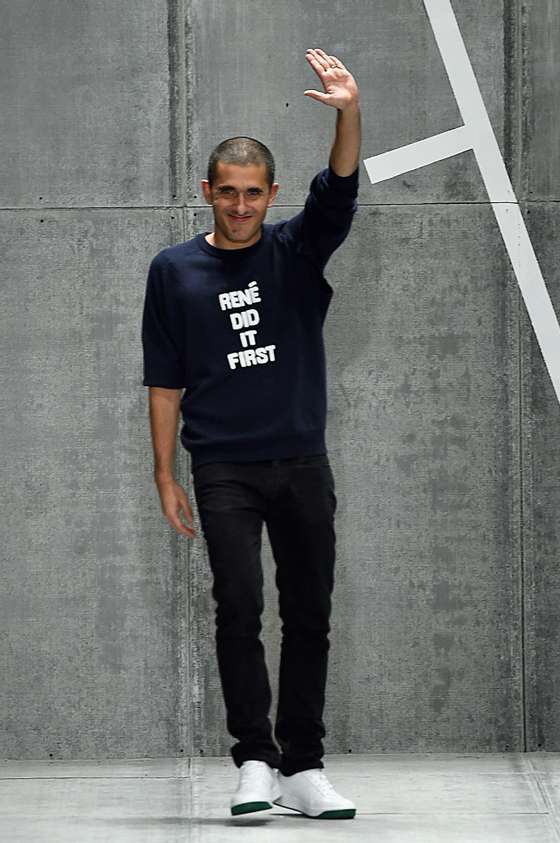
241 331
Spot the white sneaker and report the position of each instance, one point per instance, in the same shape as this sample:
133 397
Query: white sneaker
311 793
258 786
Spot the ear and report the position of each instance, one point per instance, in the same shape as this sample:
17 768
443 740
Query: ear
206 190
273 191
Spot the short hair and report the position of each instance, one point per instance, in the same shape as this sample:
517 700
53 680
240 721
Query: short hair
240 150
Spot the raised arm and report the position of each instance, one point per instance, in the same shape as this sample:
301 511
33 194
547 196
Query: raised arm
340 92
325 221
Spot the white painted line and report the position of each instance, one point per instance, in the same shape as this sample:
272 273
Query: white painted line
531 283
469 100
417 154
478 131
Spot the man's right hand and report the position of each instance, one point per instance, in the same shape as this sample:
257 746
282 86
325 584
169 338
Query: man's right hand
174 500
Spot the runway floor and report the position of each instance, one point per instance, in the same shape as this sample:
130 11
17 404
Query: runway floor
399 797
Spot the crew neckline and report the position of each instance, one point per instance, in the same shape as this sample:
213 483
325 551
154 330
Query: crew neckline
229 254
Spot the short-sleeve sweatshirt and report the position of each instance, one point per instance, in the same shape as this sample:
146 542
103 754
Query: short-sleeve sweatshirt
241 331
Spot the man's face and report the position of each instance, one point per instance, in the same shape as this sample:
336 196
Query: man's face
240 198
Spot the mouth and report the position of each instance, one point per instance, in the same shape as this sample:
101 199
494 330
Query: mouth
239 219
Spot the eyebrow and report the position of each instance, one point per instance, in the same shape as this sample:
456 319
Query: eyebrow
253 187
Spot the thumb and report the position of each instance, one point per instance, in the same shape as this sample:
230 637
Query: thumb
184 505
316 95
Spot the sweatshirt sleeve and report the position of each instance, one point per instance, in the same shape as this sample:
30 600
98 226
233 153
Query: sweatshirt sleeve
325 221
160 339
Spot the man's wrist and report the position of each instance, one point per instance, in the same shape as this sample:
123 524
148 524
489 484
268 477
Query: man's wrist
352 106
163 477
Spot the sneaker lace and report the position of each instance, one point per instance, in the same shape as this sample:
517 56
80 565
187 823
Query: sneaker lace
319 778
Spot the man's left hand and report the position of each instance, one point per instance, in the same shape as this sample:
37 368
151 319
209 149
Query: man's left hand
340 86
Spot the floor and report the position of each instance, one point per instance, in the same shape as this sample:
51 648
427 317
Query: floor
400 797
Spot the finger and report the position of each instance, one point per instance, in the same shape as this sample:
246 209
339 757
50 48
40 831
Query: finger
324 57
318 60
316 65
184 506
336 61
180 527
181 500
316 95
177 521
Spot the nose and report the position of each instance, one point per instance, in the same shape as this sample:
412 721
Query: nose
241 206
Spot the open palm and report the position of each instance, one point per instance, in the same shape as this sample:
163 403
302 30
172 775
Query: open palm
340 88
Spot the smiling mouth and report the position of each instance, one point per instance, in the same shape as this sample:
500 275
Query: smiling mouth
239 219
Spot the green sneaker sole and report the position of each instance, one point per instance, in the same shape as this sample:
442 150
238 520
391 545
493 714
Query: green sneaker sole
340 814
334 814
249 807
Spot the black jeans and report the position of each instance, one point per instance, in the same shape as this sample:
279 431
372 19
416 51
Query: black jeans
296 499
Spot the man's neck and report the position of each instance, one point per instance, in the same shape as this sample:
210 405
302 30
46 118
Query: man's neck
210 238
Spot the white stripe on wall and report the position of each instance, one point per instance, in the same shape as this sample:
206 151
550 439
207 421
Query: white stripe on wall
477 134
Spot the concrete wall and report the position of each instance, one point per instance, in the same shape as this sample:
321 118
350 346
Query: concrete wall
443 425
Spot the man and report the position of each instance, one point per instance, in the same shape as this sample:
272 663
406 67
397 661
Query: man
234 317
